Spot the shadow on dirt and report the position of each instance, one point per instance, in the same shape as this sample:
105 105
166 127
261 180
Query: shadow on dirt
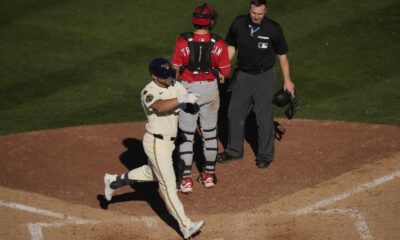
132 158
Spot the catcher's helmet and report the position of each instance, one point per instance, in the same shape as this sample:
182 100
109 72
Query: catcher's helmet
204 16
161 68
281 98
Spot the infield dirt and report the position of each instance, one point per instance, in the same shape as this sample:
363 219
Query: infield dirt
61 171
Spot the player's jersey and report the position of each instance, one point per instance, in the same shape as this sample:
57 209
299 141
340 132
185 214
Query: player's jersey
161 123
219 58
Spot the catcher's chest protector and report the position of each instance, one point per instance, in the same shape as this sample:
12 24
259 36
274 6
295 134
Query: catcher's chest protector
200 53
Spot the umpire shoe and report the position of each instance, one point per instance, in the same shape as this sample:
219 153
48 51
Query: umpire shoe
262 163
108 191
193 229
224 157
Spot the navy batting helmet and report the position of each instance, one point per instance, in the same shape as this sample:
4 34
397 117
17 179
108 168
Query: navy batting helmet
161 68
204 16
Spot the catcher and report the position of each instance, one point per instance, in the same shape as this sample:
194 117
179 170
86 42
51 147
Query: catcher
202 59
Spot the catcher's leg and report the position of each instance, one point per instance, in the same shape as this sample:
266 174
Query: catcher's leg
187 128
208 122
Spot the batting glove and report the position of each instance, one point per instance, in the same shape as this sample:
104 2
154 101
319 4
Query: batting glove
188 98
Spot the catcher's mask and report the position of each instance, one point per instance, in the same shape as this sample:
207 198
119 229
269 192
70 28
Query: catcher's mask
204 16
161 68
281 98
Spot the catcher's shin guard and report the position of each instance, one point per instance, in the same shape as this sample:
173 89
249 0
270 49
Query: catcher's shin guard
186 151
210 148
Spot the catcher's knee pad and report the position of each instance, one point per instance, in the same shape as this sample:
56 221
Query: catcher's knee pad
210 139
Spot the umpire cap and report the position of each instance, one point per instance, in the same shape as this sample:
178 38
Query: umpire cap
161 68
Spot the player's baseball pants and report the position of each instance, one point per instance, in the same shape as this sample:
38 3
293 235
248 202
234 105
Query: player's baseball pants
208 116
160 168
252 91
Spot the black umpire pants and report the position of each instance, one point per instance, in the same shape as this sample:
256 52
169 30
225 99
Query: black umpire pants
252 91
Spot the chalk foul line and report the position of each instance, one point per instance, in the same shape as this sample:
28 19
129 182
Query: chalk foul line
36 229
360 222
342 196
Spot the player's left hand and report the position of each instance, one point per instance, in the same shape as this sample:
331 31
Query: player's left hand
288 86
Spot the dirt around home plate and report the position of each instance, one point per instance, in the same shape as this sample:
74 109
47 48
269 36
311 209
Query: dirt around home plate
61 171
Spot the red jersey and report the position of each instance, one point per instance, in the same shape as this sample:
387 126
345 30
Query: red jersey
219 58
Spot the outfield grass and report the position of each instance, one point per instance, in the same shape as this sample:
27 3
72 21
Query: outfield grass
66 63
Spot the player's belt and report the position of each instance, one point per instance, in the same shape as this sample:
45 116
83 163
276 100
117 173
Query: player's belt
200 81
159 136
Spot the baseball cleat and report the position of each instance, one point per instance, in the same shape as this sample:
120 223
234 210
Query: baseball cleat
193 229
186 185
207 179
108 191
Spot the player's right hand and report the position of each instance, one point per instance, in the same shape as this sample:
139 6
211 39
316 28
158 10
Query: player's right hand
188 98
192 97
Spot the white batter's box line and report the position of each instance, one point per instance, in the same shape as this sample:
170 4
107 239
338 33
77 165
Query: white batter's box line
360 222
361 188
148 221
36 229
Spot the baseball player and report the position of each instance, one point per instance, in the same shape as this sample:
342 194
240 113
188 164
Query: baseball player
201 58
162 99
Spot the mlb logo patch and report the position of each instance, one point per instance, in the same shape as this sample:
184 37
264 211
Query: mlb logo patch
263 45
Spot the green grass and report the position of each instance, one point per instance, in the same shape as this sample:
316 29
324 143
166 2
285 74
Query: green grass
66 63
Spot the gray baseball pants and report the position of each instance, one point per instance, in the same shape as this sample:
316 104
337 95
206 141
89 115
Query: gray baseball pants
208 116
252 91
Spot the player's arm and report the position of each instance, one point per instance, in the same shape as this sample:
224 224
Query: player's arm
288 85
177 57
167 105
224 63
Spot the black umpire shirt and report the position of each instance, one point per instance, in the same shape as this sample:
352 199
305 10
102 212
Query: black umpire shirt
257 44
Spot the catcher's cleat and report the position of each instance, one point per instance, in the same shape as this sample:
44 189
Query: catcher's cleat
108 191
207 179
224 157
186 185
193 229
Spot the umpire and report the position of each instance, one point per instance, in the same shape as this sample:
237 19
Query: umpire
259 41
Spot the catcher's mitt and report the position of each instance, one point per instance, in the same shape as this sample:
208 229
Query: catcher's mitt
191 108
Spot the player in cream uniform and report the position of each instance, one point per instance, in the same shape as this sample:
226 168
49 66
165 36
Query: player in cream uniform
162 99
